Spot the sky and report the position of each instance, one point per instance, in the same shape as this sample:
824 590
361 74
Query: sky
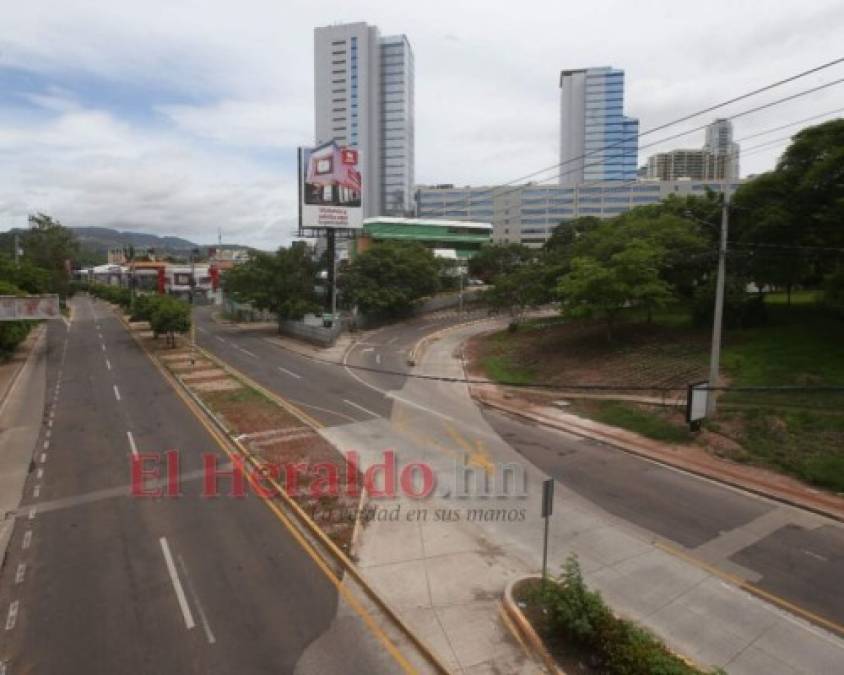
183 117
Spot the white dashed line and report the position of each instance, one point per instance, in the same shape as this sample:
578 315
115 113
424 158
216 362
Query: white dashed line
132 445
43 457
12 616
36 491
20 573
116 393
220 339
378 359
202 617
48 433
27 539
46 444
50 423
32 513
360 407
247 352
177 584
290 372
108 364
103 347
40 473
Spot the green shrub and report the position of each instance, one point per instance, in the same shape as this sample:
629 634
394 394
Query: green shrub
621 647
12 333
170 316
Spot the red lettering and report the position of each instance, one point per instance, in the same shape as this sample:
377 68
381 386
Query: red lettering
388 467
213 474
140 473
408 484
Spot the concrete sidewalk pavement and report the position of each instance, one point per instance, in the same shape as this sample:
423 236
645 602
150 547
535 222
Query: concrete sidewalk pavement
22 391
446 572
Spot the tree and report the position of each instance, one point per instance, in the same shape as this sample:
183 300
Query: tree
629 277
495 259
390 278
12 333
518 291
53 247
282 283
170 316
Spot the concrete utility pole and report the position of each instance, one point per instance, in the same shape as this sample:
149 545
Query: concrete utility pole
718 319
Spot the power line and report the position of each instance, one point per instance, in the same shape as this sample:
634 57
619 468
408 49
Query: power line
683 119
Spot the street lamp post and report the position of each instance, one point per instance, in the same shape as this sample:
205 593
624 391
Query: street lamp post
718 318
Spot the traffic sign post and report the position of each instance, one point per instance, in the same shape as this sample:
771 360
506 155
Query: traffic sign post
547 509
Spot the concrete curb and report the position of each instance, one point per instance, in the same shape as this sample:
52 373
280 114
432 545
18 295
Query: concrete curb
632 450
526 631
418 348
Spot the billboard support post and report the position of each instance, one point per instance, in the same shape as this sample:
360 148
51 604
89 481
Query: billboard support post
331 250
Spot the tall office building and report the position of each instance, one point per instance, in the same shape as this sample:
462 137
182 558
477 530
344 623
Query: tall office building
363 97
597 141
719 142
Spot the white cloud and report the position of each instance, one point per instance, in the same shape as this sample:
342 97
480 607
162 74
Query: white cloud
230 89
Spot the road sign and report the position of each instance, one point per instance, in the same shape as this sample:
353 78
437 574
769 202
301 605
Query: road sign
697 398
29 307
547 497
547 509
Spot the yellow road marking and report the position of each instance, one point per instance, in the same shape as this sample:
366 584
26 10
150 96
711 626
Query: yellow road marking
477 455
341 588
755 590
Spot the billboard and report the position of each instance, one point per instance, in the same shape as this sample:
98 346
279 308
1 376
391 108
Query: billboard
331 187
30 307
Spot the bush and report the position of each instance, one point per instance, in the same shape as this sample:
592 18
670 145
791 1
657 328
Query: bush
144 306
582 619
12 333
741 309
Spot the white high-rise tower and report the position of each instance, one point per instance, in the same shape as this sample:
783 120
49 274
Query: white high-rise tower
363 97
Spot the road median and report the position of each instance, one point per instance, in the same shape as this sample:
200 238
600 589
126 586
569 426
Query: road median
257 427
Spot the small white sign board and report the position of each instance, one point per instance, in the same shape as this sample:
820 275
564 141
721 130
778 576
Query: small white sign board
29 307
697 399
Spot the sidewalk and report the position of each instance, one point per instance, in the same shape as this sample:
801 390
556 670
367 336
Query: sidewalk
446 576
22 392
687 457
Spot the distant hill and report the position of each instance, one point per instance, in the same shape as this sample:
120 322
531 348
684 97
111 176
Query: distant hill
105 238
95 242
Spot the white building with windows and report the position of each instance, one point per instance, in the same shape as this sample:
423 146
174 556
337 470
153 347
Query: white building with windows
528 214
363 97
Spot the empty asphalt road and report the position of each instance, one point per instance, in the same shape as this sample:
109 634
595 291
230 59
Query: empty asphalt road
96 581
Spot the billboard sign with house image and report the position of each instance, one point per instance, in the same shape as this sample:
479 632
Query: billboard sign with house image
331 189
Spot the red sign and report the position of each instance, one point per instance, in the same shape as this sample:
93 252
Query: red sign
349 156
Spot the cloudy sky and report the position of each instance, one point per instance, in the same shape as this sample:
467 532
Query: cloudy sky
182 117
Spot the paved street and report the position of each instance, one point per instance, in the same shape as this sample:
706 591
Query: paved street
793 555
97 582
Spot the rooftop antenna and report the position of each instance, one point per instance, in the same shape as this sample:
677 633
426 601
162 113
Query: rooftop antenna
220 236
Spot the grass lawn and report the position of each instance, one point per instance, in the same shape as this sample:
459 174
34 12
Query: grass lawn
799 433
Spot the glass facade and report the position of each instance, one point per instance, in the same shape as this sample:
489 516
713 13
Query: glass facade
611 144
397 133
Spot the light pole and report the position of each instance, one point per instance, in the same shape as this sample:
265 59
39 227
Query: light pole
718 318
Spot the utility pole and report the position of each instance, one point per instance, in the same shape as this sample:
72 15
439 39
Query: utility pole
718 319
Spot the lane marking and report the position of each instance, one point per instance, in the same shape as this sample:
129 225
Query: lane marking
360 407
46 444
108 364
367 350
378 359
392 340
32 513
177 584
43 457
103 347
48 433
290 372
12 616
246 351
209 635
132 445
817 556
116 393
50 423
20 573
220 339
201 329
36 491
40 473
27 539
